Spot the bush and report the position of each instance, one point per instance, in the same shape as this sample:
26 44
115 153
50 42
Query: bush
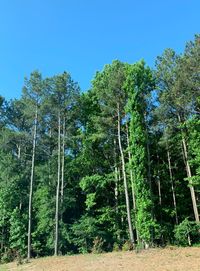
7 256
127 246
116 247
187 232
85 231
98 243
17 237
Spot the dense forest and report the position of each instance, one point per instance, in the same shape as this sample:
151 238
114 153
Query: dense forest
116 167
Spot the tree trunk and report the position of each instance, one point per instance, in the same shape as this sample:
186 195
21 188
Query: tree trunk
160 196
149 169
131 172
31 183
116 193
132 182
172 183
125 179
189 240
159 192
116 189
189 174
2 235
116 179
18 151
149 166
57 190
63 162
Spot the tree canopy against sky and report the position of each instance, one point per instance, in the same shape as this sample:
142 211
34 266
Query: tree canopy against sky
116 167
81 37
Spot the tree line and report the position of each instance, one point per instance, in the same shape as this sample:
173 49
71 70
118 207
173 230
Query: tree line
116 167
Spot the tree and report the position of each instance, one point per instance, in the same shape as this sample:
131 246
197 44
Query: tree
17 233
32 96
63 93
176 103
109 87
139 83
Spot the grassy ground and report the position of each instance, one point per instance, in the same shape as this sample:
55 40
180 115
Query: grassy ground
168 259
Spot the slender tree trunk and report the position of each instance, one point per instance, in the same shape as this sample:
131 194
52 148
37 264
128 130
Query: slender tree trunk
159 192
2 235
18 151
189 175
125 179
131 172
189 240
119 181
116 179
50 155
31 183
57 190
149 166
160 196
149 169
63 162
132 181
116 189
116 192
172 183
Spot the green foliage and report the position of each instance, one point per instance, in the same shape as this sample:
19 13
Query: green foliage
154 110
116 247
90 200
7 256
139 83
187 232
194 142
127 246
17 238
43 208
85 231
95 187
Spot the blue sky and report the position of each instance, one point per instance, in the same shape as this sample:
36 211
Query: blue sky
81 36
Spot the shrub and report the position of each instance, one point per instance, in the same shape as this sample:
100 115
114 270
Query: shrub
85 231
187 232
98 243
127 246
116 247
17 233
7 256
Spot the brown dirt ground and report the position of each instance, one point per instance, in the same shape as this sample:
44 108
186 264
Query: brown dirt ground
168 259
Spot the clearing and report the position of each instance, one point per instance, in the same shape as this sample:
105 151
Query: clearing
167 259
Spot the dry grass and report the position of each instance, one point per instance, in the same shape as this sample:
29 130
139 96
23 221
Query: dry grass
168 259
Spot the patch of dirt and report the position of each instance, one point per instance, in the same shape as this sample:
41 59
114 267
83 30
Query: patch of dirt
168 259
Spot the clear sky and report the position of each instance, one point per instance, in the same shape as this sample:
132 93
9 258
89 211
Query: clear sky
81 36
